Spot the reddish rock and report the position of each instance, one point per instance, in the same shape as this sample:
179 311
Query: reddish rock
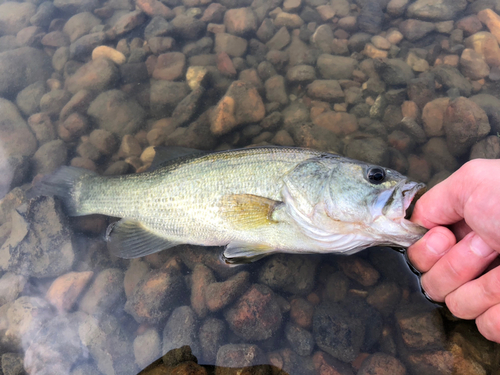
491 20
76 124
433 115
155 8
128 22
472 65
225 64
401 141
42 126
301 312
470 25
201 278
359 270
96 75
325 364
382 364
486 45
240 21
214 13
219 295
170 66
66 289
340 123
327 90
256 315
418 168
420 330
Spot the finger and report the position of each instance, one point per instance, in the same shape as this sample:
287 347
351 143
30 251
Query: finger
424 253
462 263
460 229
489 324
475 297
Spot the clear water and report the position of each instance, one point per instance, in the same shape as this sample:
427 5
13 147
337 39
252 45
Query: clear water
67 306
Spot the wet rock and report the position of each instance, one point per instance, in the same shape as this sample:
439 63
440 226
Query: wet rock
301 312
280 40
413 29
337 332
359 270
110 53
289 20
418 168
178 356
240 21
384 297
450 77
440 10
255 315
108 344
214 13
128 22
472 65
12 363
464 123
300 339
11 285
188 27
491 105
22 67
381 364
81 48
324 363
225 65
201 278
371 150
370 17
275 90
233 45
45 250
438 156
470 25
55 347
323 38
420 330
211 335
336 67
335 287
53 101
433 115
15 16
413 129
220 294
394 72
340 123
290 273
28 99
182 329
79 25
65 290
237 356
117 113
96 75
266 30
165 95
301 73
105 292
486 45
241 104
488 148
170 66
157 27
327 90
147 348
155 8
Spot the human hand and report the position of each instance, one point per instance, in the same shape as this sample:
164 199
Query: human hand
459 264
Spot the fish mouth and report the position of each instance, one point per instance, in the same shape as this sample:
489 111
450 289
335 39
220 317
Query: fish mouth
398 206
410 198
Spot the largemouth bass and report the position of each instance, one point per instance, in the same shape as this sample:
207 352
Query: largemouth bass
254 201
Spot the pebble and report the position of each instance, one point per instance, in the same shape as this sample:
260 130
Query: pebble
42 127
110 53
182 329
65 290
211 335
147 348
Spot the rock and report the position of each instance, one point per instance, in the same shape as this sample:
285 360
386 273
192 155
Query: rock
11 285
382 364
491 20
128 22
439 10
488 148
470 25
12 363
181 329
157 27
340 123
155 8
359 270
491 105
450 77
280 40
225 65
108 344
15 16
28 99
433 115
201 278
418 168
81 48
472 65
301 73
371 150
105 292
49 157
328 90
413 29
214 13
170 66
44 14
289 20
323 38
79 25
420 330
465 123
53 102
45 250
115 112
413 129
275 90
219 295
486 45
370 17
96 75
394 72
240 21
165 96
188 27
255 315
233 45
22 67
241 104
336 67
385 297
437 154
211 335
337 332
232 358
110 53
300 339
147 348
301 312
289 273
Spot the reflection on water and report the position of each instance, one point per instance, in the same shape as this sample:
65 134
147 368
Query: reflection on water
412 86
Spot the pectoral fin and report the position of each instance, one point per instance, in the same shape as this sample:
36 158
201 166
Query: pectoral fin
130 239
238 252
246 211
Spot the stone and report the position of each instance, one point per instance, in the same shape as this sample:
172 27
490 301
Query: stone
439 10
115 112
371 150
394 72
188 27
28 99
65 290
255 315
110 53
241 104
437 154
233 45
104 293
336 67
147 348
79 25
280 40
488 148
472 65
327 90
170 66
11 286
211 335
450 77
214 13
44 14
238 356
165 96
301 73
433 115
182 329
486 45
370 17
491 105
359 270
323 38
465 123
240 21
380 364
49 157
53 102
155 8
15 16
220 294
127 22
289 20
470 25
491 20
413 29
340 123
420 330
275 90
299 339
96 75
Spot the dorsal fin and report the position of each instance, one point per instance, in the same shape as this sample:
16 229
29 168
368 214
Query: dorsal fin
167 155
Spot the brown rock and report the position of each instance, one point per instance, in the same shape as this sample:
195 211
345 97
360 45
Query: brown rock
55 39
381 364
42 127
486 45
104 141
85 163
401 141
76 124
327 90
359 270
282 138
472 65
433 115
420 330
255 315
301 312
219 295
78 103
96 75
128 22
464 123
470 25
225 65
155 8
491 20
437 154
384 297
488 148
130 146
413 29
340 123
410 109
373 52
65 290
201 278
289 20
104 292
325 364
214 13
275 90
242 104
418 168
170 66
233 45
240 21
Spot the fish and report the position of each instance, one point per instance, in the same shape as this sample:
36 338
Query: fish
254 201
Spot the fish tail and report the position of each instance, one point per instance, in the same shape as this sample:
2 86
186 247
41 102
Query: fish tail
63 184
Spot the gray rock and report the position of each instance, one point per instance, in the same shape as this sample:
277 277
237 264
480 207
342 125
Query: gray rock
187 27
323 38
301 73
275 90
371 150
28 99
182 329
12 364
491 105
165 95
358 41
336 67
233 45
21 67
115 112
11 285
44 14
394 72
49 157
422 90
105 292
211 335
300 339
96 75
53 102
85 369
488 148
280 40
436 10
299 53
15 16
82 48
147 348
327 90
382 363
411 127
188 106
158 26
80 24
337 332
450 77
437 154
266 30
239 355
370 17
415 29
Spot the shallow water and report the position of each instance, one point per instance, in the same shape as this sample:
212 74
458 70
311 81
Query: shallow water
413 87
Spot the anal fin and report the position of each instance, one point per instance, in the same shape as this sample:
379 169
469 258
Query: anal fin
246 211
130 239
238 252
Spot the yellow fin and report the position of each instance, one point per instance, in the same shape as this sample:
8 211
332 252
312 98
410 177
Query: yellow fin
246 211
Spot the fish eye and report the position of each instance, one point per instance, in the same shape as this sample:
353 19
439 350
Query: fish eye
376 175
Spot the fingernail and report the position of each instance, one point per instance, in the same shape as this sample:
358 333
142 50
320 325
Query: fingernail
479 247
437 243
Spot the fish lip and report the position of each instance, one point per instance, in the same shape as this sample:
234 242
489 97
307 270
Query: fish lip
411 194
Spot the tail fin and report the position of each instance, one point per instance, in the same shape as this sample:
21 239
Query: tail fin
62 185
